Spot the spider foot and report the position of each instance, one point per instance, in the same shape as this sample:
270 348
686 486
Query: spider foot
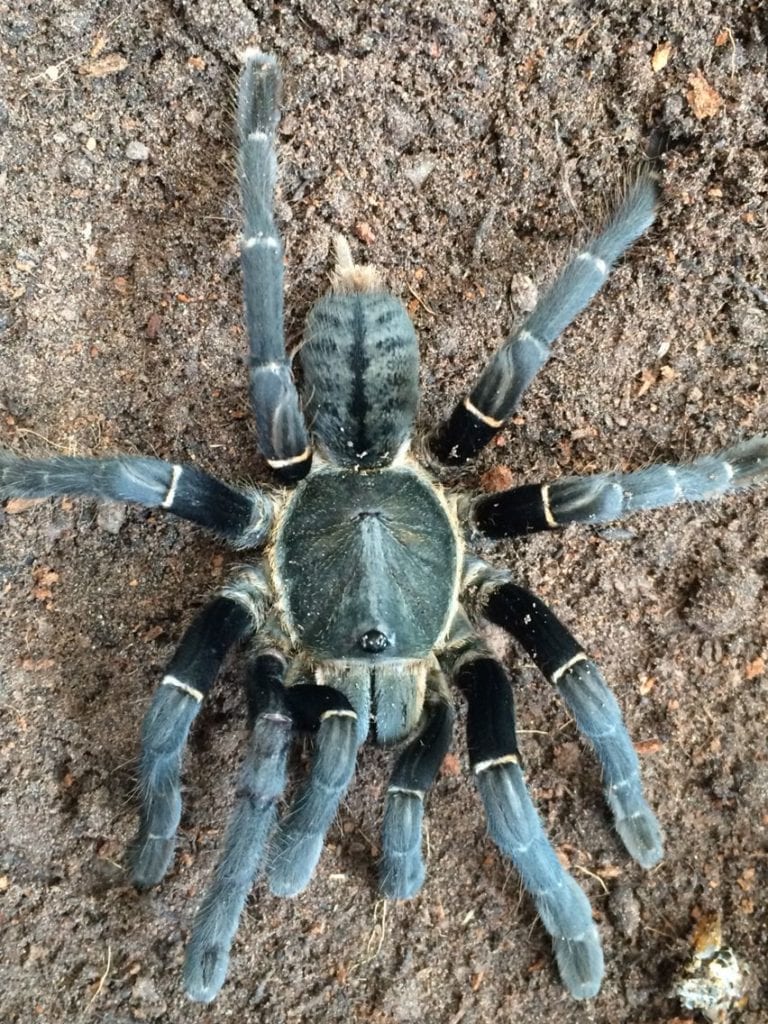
401 869
580 962
150 858
641 836
205 968
292 867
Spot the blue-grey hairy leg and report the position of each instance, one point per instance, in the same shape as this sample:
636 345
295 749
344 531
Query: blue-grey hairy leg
564 910
599 719
610 496
260 785
515 826
280 425
226 620
401 869
242 517
593 706
299 839
501 385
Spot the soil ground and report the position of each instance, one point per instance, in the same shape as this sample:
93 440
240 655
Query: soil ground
463 147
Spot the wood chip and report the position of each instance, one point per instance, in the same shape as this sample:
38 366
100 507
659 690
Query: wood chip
647 379
37 665
15 505
111 64
647 683
660 57
703 100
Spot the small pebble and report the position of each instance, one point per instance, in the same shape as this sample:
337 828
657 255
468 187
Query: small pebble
137 151
624 910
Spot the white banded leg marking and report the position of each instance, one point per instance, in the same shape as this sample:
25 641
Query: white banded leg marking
338 713
679 493
560 672
175 477
418 793
280 463
488 420
492 762
551 521
269 241
177 684
600 265
248 590
530 339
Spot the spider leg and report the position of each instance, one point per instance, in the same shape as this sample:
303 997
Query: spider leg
227 619
241 517
610 496
515 826
299 839
260 785
496 394
401 869
280 425
593 706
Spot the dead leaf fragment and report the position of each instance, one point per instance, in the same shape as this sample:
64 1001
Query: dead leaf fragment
365 232
644 747
499 478
703 100
755 668
111 64
44 579
661 56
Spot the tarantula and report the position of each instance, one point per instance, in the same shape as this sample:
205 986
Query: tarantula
361 603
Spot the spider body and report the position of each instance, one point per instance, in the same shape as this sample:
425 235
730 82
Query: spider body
361 600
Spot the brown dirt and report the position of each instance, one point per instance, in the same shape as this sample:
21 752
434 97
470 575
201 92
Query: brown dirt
121 330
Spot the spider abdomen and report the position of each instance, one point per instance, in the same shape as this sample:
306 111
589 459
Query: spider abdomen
367 564
361 364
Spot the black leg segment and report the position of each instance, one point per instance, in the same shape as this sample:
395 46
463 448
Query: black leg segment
280 425
497 393
611 496
241 517
401 869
